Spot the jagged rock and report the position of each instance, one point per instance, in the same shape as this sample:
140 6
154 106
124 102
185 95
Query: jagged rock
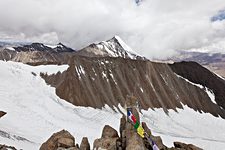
108 140
71 148
133 140
85 144
145 127
184 146
122 132
119 144
132 105
2 113
77 146
59 141
5 147
122 124
105 143
66 142
123 139
109 132
159 142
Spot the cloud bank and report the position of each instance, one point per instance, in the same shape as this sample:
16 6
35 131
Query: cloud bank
153 28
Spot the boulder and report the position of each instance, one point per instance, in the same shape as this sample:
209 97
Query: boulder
122 124
145 127
122 132
179 145
105 143
109 132
159 142
2 113
6 147
71 148
65 142
133 140
85 144
108 140
59 141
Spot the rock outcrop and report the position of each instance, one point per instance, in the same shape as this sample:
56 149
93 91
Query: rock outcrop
108 140
129 139
60 141
6 147
184 146
94 82
195 73
2 113
85 144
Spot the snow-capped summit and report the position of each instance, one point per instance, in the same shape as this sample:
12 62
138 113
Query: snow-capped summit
114 47
42 47
62 48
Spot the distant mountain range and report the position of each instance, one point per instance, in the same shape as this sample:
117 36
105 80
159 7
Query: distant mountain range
213 61
38 53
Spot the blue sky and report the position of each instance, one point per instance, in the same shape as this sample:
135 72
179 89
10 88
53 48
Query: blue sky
219 16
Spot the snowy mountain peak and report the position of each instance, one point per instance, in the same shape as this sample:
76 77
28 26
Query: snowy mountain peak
42 47
115 47
122 43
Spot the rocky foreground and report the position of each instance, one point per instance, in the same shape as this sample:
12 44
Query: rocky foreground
110 140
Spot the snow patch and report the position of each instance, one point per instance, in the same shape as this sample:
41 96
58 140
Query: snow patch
34 110
10 48
198 85
51 46
220 76
94 72
80 71
112 77
49 69
188 126
124 45
207 90
111 52
164 79
141 90
211 95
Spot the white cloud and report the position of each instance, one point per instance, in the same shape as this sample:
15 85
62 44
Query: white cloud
156 28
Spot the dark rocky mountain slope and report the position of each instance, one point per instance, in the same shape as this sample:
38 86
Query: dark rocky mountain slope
98 81
200 75
37 54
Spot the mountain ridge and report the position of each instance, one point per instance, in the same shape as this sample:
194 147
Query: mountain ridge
114 47
90 91
96 81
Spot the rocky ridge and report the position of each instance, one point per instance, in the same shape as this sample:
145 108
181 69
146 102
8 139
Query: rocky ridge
41 54
114 47
202 76
115 72
98 81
